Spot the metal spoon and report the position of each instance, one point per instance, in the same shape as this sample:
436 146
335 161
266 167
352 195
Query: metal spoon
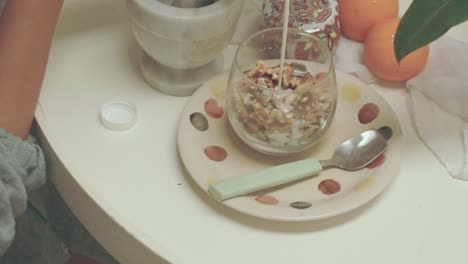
353 154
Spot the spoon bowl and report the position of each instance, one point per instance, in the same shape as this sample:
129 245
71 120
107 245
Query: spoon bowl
357 152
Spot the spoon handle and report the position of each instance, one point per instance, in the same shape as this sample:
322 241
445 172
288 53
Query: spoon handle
265 179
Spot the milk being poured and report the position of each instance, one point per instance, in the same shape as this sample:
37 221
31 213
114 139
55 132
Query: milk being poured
276 119
283 43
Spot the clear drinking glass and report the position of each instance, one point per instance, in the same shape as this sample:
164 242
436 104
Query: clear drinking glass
294 117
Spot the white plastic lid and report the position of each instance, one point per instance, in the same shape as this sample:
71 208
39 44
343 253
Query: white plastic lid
118 115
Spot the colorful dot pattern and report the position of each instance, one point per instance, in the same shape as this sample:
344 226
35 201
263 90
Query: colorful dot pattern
329 187
387 132
213 109
199 121
216 153
368 113
267 200
300 205
364 185
351 93
218 89
211 180
377 162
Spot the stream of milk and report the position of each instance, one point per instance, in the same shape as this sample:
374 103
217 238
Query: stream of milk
284 42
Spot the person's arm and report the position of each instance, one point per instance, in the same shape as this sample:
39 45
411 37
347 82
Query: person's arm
26 31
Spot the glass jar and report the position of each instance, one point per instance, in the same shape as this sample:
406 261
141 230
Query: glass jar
287 119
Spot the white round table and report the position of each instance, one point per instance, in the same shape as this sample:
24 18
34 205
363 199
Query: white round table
132 193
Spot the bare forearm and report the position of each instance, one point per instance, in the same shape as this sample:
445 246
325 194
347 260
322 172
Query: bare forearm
26 31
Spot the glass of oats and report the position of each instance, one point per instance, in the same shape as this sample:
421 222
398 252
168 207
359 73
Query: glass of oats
284 116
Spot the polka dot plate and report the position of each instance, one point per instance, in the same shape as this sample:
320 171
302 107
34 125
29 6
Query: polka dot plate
211 152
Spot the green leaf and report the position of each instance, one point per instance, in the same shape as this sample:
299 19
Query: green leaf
425 21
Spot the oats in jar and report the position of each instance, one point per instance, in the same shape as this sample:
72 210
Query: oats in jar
289 115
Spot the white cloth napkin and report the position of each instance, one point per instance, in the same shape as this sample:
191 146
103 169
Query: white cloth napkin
439 98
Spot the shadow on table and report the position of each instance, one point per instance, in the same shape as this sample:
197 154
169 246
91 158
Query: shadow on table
278 226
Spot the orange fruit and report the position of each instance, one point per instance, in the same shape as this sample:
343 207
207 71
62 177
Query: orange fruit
358 16
379 54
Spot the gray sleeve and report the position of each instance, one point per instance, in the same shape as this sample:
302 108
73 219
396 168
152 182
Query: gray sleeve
22 169
2 4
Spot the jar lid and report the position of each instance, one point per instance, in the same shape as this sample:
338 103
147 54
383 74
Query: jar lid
118 115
